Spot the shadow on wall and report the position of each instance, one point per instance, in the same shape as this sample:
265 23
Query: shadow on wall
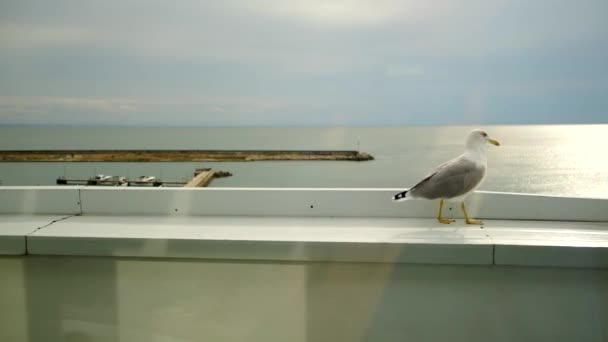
71 299
145 299
407 302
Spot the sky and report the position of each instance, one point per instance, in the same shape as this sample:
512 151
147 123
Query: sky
303 62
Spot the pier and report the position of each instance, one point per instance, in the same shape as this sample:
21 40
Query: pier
202 177
177 155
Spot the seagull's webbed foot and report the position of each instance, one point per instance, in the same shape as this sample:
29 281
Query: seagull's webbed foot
441 219
466 216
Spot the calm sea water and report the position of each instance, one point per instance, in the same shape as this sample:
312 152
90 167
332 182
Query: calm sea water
568 160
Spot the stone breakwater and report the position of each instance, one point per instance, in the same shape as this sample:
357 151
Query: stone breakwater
176 155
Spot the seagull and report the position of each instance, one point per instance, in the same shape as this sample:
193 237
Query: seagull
454 180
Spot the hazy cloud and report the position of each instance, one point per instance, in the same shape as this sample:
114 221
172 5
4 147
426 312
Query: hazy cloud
334 62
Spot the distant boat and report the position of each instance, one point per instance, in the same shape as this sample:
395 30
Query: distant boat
123 181
103 177
147 179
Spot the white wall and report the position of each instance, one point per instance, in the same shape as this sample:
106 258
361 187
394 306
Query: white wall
120 299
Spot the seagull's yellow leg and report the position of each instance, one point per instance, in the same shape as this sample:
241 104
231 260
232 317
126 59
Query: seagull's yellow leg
441 219
466 216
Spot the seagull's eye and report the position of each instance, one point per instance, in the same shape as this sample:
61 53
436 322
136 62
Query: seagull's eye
485 135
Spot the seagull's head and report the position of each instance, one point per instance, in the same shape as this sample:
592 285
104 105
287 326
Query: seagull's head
479 139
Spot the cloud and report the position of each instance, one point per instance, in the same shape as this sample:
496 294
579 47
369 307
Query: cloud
145 111
413 71
298 62
96 105
335 13
15 36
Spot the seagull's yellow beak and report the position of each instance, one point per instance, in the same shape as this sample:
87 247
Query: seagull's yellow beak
493 142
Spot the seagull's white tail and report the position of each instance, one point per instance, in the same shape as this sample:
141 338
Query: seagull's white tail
402 196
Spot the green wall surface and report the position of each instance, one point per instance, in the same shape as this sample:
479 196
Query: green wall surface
145 299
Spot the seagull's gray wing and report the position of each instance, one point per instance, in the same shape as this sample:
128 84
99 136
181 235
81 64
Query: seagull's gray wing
451 179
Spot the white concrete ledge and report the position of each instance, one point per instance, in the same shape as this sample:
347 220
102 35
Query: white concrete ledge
15 228
40 200
290 239
330 202
287 202
328 239
566 244
302 224
552 256
12 245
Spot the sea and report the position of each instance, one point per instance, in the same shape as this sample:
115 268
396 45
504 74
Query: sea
569 160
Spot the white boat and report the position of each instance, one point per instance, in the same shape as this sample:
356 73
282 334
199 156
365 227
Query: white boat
149 179
123 181
102 177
